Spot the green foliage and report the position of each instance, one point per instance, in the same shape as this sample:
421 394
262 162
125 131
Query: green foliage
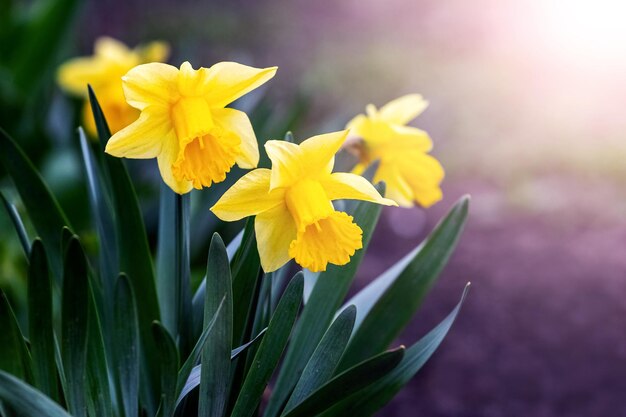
118 340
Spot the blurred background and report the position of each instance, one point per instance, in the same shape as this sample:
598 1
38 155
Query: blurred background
526 112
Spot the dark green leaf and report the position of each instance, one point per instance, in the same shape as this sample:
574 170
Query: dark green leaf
40 321
346 383
43 209
183 374
369 400
126 347
18 224
325 358
327 295
134 257
215 379
169 367
270 350
14 356
74 324
399 302
26 400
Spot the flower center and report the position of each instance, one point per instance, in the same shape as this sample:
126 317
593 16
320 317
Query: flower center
192 119
307 202
333 239
208 158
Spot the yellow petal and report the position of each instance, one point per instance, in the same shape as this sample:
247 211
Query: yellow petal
144 138
275 230
410 138
397 189
166 159
238 123
229 80
151 84
154 51
287 166
114 51
249 196
404 109
74 75
341 185
192 82
319 151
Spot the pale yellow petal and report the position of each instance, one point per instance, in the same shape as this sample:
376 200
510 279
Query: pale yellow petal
342 185
249 196
287 166
166 159
74 75
356 124
229 80
156 51
410 138
238 122
319 151
193 82
151 84
113 50
275 230
397 189
404 109
143 138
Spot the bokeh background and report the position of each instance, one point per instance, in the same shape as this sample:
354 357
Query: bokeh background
527 115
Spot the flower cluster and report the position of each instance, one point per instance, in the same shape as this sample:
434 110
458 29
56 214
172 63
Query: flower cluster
179 116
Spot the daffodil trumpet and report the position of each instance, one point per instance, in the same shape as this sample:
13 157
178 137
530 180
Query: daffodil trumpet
411 174
185 124
292 202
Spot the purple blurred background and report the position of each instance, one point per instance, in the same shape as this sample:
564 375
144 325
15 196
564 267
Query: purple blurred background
527 116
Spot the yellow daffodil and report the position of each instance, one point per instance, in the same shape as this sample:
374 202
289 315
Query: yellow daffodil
103 71
184 122
410 173
292 202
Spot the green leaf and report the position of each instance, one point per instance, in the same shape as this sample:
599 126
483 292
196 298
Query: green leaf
245 270
169 367
346 383
27 400
18 224
126 347
43 209
14 356
184 372
104 223
270 350
173 282
48 25
74 324
134 257
369 400
194 376
216 355
325 358
326 296
398 303
40 321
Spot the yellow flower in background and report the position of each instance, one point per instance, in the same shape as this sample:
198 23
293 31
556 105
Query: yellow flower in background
184 122
410 173
103 71
292 202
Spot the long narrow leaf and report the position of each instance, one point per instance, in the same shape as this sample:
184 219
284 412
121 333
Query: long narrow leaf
74 324
270 350
348 382
18 224
216 355
399 302
369 400
40 321
27 400
14 356
169 367
43 209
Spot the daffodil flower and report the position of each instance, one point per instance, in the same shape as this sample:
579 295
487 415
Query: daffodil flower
184 122
103 71
410 173
292 202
